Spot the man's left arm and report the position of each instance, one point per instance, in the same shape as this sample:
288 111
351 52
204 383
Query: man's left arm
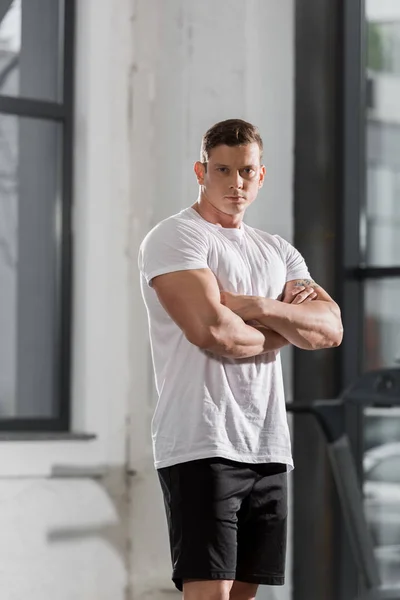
310 325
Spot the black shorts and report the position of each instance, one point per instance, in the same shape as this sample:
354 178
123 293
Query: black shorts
226 520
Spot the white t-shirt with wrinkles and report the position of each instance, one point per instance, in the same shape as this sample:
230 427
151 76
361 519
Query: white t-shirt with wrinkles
208 405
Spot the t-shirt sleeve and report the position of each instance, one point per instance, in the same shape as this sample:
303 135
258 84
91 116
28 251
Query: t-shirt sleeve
296 267
172 246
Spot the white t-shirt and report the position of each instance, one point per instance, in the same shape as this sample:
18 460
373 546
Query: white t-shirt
212 406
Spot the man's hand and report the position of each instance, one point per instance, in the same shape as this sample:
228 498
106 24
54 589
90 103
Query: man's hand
300 294
246 306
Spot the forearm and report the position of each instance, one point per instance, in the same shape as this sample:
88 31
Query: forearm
310 326
233 338
273 341
239 344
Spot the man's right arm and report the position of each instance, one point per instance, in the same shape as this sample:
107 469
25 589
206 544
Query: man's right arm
192 299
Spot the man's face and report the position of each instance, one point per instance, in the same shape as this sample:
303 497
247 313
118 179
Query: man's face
232 177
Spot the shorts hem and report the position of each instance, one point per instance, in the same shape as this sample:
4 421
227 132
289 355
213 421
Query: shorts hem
261 579
229 575
213 575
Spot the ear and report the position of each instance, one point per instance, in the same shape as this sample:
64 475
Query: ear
200 170
262 176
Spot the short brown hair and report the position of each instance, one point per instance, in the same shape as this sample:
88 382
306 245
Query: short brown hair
232 132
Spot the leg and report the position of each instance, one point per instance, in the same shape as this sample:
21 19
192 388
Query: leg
243 591
202 499
262 528
207 590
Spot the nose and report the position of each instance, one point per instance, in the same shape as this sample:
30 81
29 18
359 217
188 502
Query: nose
237 181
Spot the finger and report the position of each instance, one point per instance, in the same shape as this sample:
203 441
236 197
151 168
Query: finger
302 292
298 289
290 296
308 290
310 298
302 296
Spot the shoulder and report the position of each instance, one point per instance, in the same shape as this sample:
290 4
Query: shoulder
177 229
175 244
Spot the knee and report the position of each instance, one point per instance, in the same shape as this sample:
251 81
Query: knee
217 595
207 590
211 595
242 596
243 591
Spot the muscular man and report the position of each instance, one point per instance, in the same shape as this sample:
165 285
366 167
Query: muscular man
222 299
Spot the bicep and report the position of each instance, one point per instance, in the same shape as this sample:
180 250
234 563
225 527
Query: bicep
192 300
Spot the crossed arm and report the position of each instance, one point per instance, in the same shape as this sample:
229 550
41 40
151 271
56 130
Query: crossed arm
307 316
219 322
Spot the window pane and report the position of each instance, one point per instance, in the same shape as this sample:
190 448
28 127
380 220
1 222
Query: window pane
29 200
387 470
30 48
382 323
381 234
382 488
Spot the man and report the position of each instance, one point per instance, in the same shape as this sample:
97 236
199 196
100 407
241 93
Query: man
222 299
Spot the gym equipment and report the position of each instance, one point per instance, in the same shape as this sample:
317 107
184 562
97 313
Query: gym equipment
373 389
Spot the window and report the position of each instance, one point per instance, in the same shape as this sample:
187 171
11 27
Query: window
383 44
381 323
375 264
347 178
372 192
36 59
387 470
380 213
381 426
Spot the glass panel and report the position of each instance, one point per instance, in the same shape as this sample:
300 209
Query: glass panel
382 488
382 323
30 48
29 198
381 234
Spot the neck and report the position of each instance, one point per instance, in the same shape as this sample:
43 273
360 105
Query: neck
215 216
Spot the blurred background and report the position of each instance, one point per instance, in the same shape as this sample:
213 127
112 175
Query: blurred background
102 107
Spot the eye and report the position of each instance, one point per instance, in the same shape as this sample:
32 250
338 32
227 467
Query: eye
222 169
249 171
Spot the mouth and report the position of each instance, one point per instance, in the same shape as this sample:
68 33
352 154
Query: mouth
235 198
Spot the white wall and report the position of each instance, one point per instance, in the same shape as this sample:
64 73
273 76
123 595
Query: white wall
151 77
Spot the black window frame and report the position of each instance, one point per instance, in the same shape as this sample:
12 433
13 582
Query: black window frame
60 112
